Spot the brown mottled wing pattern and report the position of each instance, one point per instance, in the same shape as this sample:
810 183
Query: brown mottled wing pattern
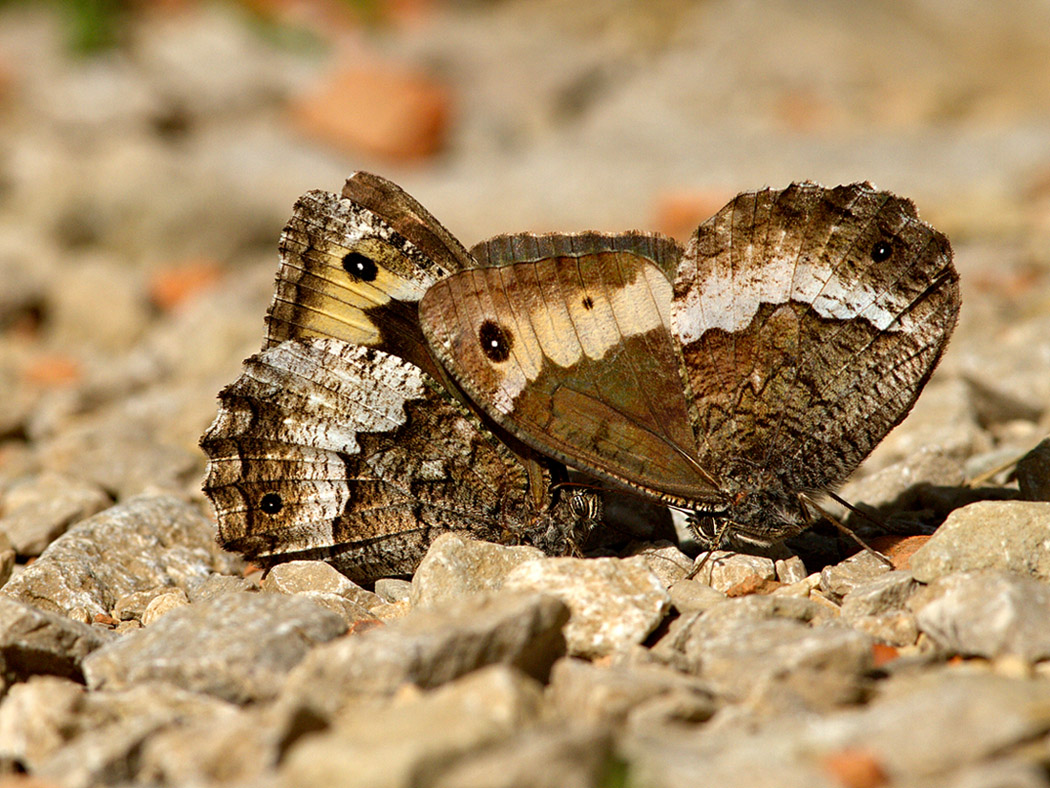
345 453
809 320
354 267
564 341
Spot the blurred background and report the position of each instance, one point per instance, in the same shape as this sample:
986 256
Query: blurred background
150 153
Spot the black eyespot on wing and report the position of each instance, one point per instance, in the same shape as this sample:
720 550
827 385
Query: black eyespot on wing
496 341
588 302
271 503
359 266
881 251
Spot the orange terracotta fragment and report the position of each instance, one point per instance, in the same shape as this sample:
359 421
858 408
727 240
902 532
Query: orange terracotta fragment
883 654
382 110
899 549
52 371
170 287
855 769
753 585
678 214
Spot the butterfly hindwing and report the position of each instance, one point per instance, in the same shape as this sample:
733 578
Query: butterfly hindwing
327 450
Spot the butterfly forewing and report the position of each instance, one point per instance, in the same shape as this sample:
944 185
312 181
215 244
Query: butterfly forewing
354 267
564 341
408 218
840 306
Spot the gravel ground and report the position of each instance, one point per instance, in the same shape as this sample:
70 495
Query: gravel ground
142 192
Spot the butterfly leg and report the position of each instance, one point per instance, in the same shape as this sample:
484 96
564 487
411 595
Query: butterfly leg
706 532
806 504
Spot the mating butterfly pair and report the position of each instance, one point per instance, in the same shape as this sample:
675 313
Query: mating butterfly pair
408 387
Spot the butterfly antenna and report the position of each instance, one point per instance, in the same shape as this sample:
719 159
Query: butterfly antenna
859 512
578 485
805 499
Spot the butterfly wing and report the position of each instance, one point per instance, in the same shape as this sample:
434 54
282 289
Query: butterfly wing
354 267
809 320
348 454
564 341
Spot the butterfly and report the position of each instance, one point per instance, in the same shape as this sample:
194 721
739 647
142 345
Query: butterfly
342 439
738 378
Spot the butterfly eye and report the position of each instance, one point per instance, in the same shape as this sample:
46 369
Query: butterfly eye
496 341
585 506
359 266
881 251
271 503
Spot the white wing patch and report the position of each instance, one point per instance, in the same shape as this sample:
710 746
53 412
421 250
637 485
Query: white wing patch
352 390
709 305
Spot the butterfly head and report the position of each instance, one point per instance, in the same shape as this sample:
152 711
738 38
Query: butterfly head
565 526
758 513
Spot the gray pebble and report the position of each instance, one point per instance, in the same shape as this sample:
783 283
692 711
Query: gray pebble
767 608
316 577
553 755
393 589
888 591
455 565
238 647
135 546
108 729
39 509
388 745
988 613
432 646
893 628
665 560
131 606
121 450
790 570
838 580
237 745
38 641
163 604
723 569
1011 535
615 603
348 610
691 596
202 589
609 694
782 663
965 717
36 716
